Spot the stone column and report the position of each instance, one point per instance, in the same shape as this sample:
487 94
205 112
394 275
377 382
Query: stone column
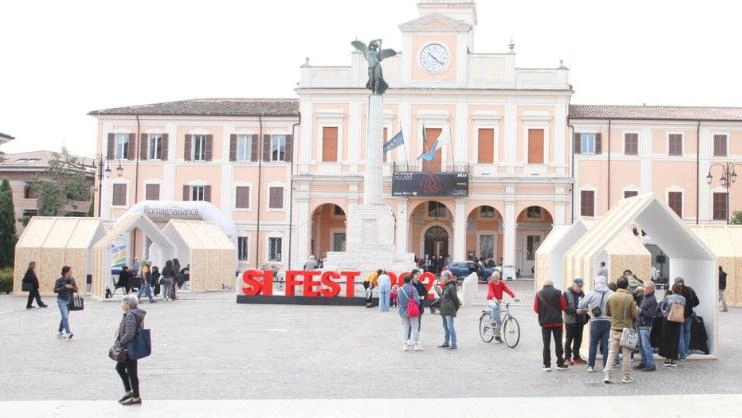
373 179
459 231
509 241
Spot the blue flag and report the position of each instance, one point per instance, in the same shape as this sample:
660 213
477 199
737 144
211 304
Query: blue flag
395 142
429 155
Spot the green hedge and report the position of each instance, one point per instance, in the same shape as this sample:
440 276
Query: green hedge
6 280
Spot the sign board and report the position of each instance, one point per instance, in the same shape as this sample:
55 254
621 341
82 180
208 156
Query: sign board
172 212
405 183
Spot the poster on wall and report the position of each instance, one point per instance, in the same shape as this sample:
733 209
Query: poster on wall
119 252
430 184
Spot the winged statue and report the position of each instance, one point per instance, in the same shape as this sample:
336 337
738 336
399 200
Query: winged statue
374 55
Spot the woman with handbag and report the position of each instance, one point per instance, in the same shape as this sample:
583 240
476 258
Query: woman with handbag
30 283
65 288
672 323
409 311
132 320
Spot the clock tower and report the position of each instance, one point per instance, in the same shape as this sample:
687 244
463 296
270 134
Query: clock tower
437 43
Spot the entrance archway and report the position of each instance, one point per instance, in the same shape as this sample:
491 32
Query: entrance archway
436 242
533 225
328 230
484 234
423 217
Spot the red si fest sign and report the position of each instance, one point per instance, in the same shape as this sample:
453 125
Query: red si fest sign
315 283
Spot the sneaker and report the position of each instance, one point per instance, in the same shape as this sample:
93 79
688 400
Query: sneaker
569 362
673 363
406 347
443 346
546 368
417 347
132 402
649 369
453 347
640 366
30 307
126 397
627 379
562 367
607 380
590 369
43 306
69 336
666 363
578 360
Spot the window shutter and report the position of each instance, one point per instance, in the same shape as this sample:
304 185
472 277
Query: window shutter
578 145
535 146
208 146
130 147
164 145
329 143
598 143
266 147
289 148
242 197
207 193
143 147
254 148
186 193
111 146
152 192
233 147
275 197
486 146
187 148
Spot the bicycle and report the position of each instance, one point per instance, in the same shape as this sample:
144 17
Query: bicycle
508 328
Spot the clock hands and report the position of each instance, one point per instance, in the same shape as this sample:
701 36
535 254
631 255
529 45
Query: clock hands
436 59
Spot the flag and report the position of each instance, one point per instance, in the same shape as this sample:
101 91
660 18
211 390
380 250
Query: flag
396 141
443 139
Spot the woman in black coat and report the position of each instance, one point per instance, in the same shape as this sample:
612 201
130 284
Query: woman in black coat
31 282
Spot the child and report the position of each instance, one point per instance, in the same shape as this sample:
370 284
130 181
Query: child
393 295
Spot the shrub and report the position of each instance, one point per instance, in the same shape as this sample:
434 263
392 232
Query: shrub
6 280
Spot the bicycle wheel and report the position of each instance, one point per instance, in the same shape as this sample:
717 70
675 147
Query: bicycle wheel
485 329
511 332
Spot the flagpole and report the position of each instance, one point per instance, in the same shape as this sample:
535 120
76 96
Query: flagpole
404 148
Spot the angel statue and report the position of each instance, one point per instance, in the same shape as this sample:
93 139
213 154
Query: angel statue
374 54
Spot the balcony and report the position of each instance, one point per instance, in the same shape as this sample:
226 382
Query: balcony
419 166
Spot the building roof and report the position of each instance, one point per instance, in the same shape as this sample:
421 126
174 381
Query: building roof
691 113
210 107
33 159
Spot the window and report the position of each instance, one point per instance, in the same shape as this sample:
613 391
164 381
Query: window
121 152
533 212
155 147
535 146
720 206
587 143
630 193
675 201
587 203
338 241
486 212
436 210
486 152
119 195
242 197
198 148
275 197
152 192
278 148
532 244
29 193
197 193
244 148
631 144
329 144
274 249
242 248
675 144
720 145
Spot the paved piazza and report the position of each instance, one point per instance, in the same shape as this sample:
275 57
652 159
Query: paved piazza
207 347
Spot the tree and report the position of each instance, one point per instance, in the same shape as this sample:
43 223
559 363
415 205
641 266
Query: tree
8 236
736 217
64 181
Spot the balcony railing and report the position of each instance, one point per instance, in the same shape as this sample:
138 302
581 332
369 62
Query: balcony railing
431 166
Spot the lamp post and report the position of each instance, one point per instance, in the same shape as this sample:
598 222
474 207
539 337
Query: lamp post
100 161
727 178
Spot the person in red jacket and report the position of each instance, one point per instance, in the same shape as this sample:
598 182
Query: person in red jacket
495 290
549 304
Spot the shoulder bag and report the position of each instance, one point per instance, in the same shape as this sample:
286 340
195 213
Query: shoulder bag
77 303
413 311
141 345
598 310
676 313
26 286
629 336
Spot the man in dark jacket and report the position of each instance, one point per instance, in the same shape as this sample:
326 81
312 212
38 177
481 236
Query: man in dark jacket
574 322
549 305
450 304
125 279
647 313
722 288
691 301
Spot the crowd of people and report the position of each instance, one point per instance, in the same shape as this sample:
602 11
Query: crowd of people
149 281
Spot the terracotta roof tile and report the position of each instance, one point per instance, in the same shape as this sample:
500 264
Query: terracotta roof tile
210 107
655 112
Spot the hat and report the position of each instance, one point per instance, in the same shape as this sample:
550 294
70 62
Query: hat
579 282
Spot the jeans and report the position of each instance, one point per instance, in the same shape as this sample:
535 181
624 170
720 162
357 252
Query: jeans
64 309
546 333
34 294
383 300
723 301
450 331
646 346
684 338
599 332
495 314
574 340
127 370
613 348
167 284
146 290
410 329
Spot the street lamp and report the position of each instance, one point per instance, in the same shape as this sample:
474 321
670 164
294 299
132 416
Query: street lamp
98 166
727 178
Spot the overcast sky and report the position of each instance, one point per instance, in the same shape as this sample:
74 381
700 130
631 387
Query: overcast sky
62 59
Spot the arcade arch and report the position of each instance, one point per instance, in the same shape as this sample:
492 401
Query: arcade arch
430 229
328 230
532 226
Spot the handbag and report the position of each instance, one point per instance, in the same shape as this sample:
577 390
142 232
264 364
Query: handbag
598 310
413 311
26 286
77 303
117 352
676 313
141 345
629 336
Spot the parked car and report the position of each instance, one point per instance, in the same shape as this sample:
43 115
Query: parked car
461 269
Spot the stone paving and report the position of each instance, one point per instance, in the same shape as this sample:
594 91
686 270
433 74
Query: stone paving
205 346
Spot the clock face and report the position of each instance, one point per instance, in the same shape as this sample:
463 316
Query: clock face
434 58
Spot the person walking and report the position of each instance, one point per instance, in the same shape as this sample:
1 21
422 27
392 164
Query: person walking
645 321
385 286
422 293
31 282
168 275
495 290
691 301
600 326
450 304
156 280
65 287
722 289
176 271
671 331
125 279
410 325
132 319
622 309
574 322
549 305
145 288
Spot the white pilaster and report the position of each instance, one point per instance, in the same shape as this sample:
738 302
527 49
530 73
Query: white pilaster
460 151
511 136
307 137
354 133
560 137
509 240
302 230
227 189
645 158
459 231
405 120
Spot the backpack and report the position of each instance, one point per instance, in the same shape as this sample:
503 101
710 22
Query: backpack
413 311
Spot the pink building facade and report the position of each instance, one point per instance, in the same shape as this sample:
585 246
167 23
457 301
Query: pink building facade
286 171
